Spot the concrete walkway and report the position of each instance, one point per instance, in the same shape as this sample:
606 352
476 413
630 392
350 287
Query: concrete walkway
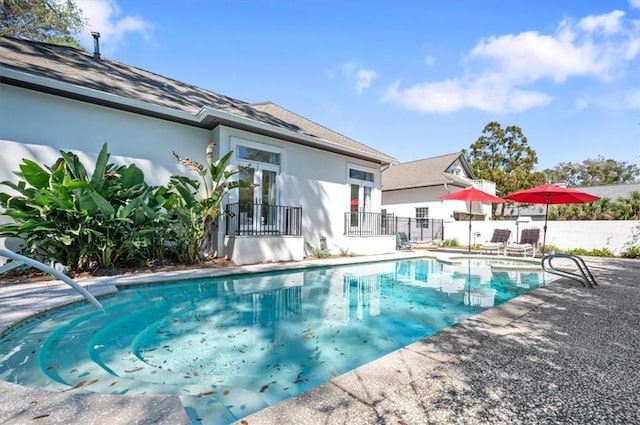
561 354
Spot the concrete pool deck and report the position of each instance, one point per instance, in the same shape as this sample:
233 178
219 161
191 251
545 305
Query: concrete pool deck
560 354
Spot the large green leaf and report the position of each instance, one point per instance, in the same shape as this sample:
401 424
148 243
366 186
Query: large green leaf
131 176
34 174
101 167
74 167
93 202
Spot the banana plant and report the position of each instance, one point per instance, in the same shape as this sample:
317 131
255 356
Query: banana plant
201 203
82 220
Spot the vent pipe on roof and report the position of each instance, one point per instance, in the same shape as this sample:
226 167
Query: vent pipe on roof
96 44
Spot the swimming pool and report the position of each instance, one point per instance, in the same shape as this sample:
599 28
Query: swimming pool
231 346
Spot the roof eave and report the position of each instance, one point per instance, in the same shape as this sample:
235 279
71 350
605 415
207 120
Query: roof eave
206 117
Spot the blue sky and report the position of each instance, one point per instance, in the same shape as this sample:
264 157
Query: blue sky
413 79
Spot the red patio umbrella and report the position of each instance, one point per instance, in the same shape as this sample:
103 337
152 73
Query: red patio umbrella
551 194
470 194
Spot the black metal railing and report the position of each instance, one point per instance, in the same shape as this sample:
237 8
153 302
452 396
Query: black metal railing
263 220
420 229
369 224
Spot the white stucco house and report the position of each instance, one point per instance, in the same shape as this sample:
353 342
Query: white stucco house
411 189
321 187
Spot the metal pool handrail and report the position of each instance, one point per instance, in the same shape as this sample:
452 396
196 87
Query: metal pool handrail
585 277
21 259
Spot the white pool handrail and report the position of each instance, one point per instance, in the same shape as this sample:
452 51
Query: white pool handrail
21 259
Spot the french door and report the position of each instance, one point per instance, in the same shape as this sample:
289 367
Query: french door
258 201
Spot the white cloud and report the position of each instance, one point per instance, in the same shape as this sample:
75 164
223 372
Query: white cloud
501 70
364 77
361 77
454 95
634 4
106 18
609 23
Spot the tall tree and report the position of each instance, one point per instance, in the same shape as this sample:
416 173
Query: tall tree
50 21
594 172
504 157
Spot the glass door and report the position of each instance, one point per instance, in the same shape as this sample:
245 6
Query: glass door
360 204
258 201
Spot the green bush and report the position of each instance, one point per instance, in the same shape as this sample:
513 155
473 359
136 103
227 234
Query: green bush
450 242
95 220
84 222
632 252
320 253
578 251
603 252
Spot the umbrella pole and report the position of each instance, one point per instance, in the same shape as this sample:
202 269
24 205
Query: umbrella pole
469 249
544 237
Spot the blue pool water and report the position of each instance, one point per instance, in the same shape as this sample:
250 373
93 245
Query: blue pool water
234 345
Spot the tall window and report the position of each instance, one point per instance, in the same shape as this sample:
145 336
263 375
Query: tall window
422 217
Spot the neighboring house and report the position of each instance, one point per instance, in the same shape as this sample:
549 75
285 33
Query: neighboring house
320 187
411 189
536 212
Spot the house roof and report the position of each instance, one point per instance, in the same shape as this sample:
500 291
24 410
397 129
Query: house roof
612 192
425 173
312 128
76 74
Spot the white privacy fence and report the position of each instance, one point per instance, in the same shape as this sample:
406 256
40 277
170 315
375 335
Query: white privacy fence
616 235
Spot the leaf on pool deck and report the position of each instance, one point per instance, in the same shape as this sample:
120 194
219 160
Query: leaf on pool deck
52 366
46 415
206 393
113 383
134 370
243 422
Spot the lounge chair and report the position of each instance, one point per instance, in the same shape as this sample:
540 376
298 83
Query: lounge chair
497 243
402 241
527 244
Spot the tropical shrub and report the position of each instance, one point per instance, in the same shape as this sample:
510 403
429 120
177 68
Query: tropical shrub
632 252
600 252
84 220
450 242
199 207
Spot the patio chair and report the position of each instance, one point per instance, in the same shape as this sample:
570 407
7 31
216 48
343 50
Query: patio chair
402 241
497 243
528 243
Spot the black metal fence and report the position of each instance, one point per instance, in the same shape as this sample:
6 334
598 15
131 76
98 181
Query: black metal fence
263 220
369 224
420 229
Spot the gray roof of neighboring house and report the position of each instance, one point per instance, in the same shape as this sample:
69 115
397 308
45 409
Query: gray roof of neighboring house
612 192
105 76
424 173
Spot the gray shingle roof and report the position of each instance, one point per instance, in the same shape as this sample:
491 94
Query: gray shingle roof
311 128
80 68
423 173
